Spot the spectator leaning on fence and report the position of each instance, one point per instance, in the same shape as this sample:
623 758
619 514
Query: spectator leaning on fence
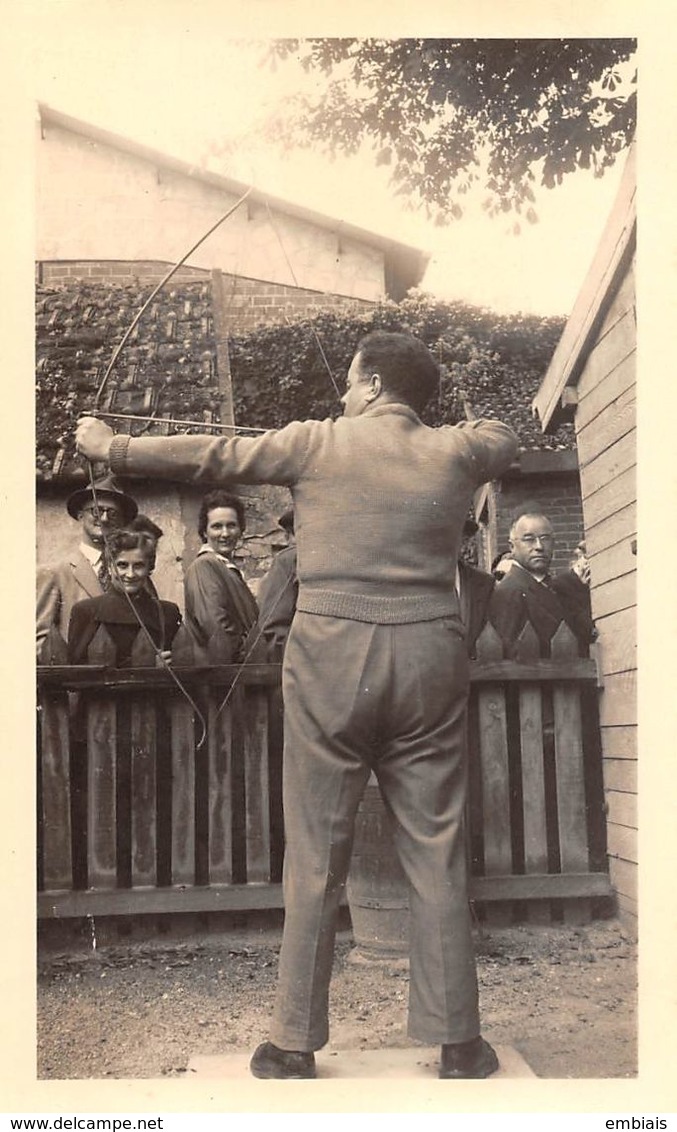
375 675
217 598
126 606
85 572
528 593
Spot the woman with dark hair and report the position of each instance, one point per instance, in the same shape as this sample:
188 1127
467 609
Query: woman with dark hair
126 605
219 604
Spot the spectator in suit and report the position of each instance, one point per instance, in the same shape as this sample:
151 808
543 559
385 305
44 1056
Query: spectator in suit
529 593
525 594
279 589
85 572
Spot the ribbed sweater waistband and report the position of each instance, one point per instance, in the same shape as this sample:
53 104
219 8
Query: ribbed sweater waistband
378 609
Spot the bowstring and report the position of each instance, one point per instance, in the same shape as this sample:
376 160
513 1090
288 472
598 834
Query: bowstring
296 284
257 636
252 643
164 663
156 290
97 398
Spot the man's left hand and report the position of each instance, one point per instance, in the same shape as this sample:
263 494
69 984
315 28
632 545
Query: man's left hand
93 438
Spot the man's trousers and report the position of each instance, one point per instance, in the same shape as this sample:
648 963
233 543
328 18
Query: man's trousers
390 698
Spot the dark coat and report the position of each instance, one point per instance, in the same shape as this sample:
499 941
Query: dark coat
218 601
476 590
517 599
112 609
277 596
575 598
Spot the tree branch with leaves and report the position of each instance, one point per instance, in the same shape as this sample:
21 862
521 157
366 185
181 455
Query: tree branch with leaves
452 115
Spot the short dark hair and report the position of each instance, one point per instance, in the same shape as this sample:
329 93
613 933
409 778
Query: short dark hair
216 499
404 364
143 523
127 539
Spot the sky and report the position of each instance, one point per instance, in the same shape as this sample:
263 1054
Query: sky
178 86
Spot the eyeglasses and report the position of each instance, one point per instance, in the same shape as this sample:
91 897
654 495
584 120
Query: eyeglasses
112 512
531 540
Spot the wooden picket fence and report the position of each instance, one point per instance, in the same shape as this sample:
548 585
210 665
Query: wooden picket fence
150 804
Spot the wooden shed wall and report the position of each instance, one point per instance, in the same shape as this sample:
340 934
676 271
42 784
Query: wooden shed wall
605 429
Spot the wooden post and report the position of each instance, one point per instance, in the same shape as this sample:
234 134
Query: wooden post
573 833
55 780
533 778
257 796
184 755
102 765
493 741
219 755
143 774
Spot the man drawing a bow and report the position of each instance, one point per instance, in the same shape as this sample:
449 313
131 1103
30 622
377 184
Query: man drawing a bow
375 675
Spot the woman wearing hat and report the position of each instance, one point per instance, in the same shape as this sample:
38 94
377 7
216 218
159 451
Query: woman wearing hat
84 573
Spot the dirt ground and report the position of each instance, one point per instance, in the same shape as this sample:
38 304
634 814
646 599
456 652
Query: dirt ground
564 996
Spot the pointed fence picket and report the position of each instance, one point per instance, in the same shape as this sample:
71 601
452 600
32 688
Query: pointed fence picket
183 799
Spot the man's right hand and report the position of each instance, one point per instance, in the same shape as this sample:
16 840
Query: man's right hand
93 438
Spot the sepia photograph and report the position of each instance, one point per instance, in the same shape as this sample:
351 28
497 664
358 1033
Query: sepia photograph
335 487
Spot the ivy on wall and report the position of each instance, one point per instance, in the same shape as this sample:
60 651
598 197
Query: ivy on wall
491 364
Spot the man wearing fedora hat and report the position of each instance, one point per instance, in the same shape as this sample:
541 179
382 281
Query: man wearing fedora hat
84 573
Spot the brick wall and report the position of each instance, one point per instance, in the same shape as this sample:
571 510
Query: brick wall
54 272
559 495
248 303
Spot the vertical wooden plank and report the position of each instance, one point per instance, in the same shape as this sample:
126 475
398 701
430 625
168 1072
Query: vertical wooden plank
143 773
533 779
573 833
102 764
55 799
183 790
184 755
493 737
257 788
144 795
219 755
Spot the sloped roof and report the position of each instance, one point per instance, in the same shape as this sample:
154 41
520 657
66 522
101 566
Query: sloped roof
405 265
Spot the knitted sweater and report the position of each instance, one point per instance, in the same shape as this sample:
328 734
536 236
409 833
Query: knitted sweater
379 501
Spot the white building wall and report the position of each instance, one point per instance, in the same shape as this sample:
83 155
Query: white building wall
97 202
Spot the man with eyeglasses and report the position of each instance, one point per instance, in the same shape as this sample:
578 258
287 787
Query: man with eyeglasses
84 573
525 593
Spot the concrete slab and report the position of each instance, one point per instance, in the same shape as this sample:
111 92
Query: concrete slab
415 1063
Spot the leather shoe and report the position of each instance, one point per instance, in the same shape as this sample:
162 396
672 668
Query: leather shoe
474 1059
271 1062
